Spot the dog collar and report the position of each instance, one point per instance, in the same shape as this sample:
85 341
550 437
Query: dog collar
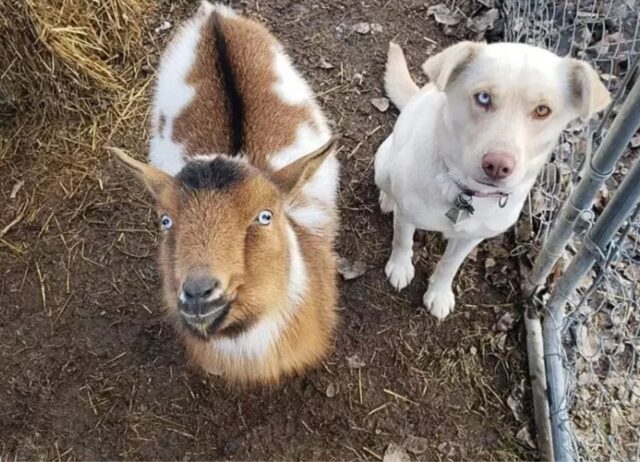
463 208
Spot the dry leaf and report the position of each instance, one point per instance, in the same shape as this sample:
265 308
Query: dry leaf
524 437
395 453
507 321
350 270
589 343
443 15
484 21
375 27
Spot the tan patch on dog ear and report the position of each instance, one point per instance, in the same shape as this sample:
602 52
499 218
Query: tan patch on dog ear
157 182
589 95
445 67
294 176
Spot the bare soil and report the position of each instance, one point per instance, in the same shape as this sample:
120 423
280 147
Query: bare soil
89 369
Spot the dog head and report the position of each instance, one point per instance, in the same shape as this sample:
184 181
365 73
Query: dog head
506 106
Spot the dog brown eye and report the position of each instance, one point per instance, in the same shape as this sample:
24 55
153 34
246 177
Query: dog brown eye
541 112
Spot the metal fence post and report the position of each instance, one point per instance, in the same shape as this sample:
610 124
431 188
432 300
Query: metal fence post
594 248
598 170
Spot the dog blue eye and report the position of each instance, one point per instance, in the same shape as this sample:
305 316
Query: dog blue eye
166 222
264 217
483 98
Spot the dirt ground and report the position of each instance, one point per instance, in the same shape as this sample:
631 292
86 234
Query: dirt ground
90 370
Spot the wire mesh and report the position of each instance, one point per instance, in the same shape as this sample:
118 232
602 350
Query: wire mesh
601 335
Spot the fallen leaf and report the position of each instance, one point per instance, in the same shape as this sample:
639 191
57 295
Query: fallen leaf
355 362
381 104
524 437
16 188
351 270
507 321
489 263
416 444
375 27
443 15
395 453
514 401
589 345
331 391
484 21
362 28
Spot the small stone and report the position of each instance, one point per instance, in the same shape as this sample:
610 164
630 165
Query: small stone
375 27
16 188
164 26
331 391
473 351
362 28
324 64
355 362
635 142
381 104
416 444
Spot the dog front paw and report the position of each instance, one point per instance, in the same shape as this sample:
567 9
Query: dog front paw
386 203
399 271
439 300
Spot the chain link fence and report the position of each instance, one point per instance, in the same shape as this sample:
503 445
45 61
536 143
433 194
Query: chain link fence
586 288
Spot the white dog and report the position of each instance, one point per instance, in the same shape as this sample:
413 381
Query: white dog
468 146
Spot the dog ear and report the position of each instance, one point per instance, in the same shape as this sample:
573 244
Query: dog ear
443 68
588 93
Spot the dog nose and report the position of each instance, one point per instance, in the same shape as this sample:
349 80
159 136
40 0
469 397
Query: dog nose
199 289
498 165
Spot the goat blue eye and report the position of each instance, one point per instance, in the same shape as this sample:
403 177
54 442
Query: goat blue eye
264 218
166 222
483 98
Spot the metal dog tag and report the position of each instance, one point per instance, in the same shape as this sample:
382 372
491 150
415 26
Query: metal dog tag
462 210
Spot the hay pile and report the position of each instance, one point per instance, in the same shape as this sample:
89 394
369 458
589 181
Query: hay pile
74 69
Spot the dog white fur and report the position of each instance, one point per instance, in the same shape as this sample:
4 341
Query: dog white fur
446 132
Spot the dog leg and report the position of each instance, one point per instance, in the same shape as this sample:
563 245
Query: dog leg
439 298
399 268
386 203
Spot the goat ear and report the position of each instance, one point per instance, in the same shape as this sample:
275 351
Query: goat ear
443 68
156 181
292 177
589 95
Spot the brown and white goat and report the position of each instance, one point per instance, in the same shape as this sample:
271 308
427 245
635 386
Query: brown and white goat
244 176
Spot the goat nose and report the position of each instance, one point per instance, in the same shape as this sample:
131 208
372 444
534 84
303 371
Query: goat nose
498 165
198 289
